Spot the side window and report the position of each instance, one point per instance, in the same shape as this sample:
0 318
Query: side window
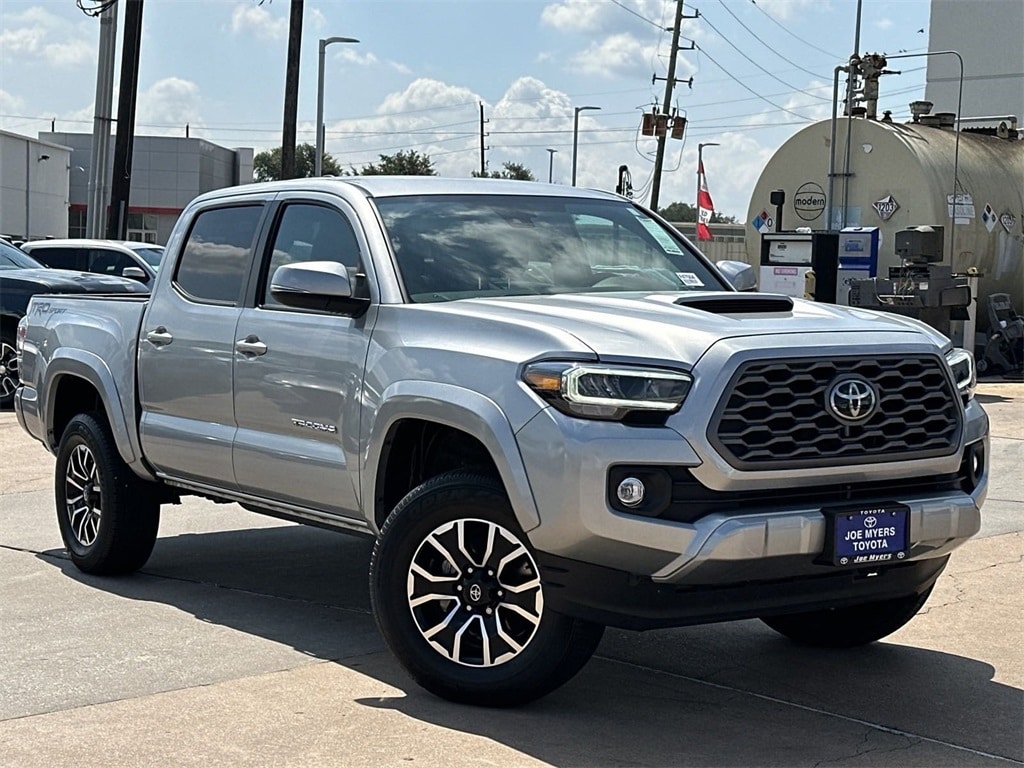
215 261
307 232
61 258
105 262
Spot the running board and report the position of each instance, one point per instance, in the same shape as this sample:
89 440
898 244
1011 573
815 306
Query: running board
278 509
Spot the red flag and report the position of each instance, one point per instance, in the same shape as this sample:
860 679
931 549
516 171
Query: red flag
704 206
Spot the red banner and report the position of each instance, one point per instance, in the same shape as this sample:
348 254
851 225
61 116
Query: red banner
704 206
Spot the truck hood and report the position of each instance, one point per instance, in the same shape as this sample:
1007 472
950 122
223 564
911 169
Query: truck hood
682 326
70 281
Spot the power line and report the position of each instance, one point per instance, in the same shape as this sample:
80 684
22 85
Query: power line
794 35
639 16
751 90
769 47
741 53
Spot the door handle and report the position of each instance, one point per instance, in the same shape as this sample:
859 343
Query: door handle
251 345
159 337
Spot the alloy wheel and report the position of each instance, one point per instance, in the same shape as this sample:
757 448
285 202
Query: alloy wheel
84 499
475 592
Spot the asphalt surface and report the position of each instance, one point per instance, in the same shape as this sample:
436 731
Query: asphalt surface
246 641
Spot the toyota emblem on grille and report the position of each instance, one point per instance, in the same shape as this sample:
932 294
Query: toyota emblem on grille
852 400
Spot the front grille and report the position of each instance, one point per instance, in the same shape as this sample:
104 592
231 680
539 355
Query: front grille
774 414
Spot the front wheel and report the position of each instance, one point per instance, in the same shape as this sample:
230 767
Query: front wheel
458 596
108 518
851 626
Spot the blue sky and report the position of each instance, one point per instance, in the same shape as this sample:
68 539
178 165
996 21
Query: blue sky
423 66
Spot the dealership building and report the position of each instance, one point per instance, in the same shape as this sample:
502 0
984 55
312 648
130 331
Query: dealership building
45 182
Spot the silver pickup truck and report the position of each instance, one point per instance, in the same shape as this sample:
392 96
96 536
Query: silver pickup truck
549 409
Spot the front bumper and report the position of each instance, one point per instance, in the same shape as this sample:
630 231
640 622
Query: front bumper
619 599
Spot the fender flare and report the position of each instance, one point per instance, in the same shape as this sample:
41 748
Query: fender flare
88 366
461 409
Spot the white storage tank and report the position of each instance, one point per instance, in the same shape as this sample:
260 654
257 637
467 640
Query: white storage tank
900 176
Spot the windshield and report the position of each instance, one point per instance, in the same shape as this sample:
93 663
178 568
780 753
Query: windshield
152 254
462 246
15 258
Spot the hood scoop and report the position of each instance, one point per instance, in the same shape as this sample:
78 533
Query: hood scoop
738 303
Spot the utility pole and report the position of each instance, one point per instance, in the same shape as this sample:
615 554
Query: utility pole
117 221
483 149
670 81
99 170
291 92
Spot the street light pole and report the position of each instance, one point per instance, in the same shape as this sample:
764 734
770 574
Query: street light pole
700 165
324 42
551 164
576 137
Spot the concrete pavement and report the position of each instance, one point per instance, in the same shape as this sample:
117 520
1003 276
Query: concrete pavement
246 641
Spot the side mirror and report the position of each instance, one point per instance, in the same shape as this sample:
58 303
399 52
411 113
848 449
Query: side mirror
135 273
319 285
739 274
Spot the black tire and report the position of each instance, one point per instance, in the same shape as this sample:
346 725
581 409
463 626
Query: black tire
9 378
108 517
490 590
848 627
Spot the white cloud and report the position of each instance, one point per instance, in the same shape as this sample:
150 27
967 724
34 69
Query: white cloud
576 15
256 20
37 33
70 54
168 105
352 55
316 20
622 55
427 93
9 103
884 23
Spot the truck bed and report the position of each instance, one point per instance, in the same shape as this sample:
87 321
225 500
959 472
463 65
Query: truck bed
94 336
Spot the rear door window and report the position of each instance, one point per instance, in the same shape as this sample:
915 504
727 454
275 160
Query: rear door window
215 262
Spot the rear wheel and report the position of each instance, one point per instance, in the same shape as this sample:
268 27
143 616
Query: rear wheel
458 597
108 517
851 626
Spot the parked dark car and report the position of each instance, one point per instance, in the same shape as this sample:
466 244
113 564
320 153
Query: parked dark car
21 278
127 258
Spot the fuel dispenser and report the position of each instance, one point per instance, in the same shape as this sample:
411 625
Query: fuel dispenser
795 263
858 258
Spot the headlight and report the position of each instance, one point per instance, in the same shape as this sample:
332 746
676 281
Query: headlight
607 392
961 362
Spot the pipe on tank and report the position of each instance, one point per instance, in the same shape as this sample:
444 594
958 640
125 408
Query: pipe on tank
832 146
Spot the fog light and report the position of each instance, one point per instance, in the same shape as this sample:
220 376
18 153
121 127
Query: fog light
630 492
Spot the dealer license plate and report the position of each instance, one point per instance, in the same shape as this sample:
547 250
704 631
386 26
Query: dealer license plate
866 535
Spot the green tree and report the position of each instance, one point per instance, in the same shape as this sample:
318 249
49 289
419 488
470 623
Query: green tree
685 212
509 170
405 163
266 166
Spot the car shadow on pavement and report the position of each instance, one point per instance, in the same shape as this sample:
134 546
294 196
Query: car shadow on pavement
989 399
728 694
